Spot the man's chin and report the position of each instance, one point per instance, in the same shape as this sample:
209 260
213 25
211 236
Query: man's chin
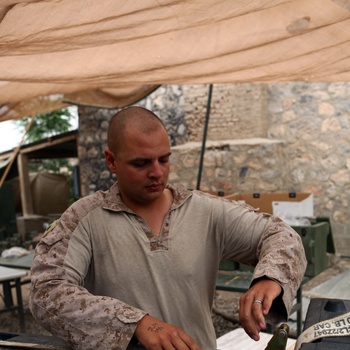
152 195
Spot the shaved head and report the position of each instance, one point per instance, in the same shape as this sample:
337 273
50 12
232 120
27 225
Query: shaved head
138 118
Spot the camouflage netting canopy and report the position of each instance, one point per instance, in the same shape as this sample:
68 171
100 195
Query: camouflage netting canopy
111 53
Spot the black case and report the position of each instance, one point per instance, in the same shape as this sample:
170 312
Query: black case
322 310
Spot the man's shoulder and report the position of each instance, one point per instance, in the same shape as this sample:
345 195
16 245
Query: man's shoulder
180 193
98 199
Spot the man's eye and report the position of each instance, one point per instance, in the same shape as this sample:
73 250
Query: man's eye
139 164
164 160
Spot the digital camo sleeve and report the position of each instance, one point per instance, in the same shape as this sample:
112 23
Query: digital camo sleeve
281 257
66 309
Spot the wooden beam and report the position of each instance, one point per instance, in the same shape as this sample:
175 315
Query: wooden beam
16 151
7 169
48 143
6 155
26 193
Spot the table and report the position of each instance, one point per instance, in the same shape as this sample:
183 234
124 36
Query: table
9 278
12 341
238 339
239 281
23 262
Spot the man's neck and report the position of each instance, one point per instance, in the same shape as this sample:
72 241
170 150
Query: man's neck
154 212
164 201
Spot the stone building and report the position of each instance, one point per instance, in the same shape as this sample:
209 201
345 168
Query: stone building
281 137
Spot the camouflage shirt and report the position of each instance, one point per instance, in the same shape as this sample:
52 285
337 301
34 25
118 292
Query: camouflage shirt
99 268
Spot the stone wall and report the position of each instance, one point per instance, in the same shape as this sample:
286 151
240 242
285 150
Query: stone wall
286 137
93 126
245 165
237 111
314 122
166 102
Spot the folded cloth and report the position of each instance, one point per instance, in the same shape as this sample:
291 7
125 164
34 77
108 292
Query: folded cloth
14 252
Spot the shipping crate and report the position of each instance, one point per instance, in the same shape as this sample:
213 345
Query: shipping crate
228 265
317 238
314 240
317 241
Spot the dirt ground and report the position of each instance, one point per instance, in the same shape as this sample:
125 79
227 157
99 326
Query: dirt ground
225 310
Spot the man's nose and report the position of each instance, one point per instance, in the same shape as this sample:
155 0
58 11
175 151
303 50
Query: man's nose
156 169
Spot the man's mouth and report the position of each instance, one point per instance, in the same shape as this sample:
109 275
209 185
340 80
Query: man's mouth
155 187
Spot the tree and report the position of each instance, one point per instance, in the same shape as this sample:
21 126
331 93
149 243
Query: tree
46 125
43 126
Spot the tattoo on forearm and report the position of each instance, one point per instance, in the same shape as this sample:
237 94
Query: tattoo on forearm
155 328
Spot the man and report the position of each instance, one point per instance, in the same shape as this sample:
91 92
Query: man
138 263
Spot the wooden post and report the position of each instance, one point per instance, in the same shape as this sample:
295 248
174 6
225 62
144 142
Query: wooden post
26 193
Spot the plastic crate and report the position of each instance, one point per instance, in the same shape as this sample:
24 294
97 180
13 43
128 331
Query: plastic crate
314 240
228 265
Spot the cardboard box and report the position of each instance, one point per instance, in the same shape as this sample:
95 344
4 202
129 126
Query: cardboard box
316 236
293 204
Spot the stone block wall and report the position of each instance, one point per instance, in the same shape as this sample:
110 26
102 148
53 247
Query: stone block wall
285 137
93 126
245 165
314 122
166 102
237 111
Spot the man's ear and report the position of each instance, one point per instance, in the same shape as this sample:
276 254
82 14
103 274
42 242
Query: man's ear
110 160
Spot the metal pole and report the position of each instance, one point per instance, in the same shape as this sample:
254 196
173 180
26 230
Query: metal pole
204 137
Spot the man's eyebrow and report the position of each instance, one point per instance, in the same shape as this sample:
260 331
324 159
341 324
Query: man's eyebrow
166 155
145 158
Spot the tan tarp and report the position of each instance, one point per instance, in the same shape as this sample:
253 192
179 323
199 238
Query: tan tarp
111 53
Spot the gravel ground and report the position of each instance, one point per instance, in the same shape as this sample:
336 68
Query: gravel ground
225 310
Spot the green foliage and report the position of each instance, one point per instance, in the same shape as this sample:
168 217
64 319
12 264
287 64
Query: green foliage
46 125
53 165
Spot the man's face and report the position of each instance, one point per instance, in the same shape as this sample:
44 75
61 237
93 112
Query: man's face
141 165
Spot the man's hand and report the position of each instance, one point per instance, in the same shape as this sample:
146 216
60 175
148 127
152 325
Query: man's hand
251 312
154 334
